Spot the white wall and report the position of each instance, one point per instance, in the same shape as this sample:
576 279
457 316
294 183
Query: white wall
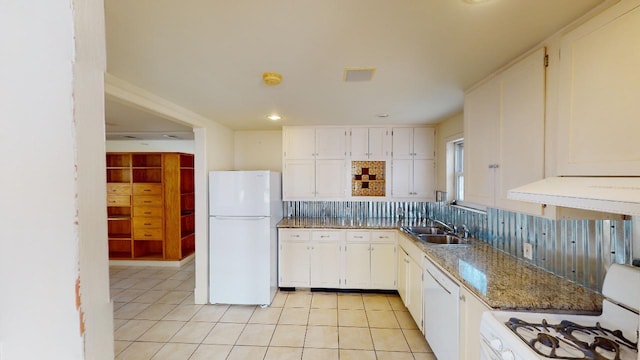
448 130
213 150
258 150
52 186
184 146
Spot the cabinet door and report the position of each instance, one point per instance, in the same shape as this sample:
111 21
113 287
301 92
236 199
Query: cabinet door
357 265
481 139
383 266
402 143
325 264
403 273
415 292
359 143
599 110
298 143
379 145
521 155
424 179
402 177
298 181
424 141
331 178
471 310
331 143
294 264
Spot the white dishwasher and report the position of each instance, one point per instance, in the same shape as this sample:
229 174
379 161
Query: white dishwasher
441 312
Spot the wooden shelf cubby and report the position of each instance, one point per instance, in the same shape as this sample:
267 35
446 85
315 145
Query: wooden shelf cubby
150 205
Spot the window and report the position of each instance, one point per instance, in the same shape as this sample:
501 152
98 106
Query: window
458 170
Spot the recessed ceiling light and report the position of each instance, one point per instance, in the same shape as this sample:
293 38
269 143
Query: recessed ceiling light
382 115
274 117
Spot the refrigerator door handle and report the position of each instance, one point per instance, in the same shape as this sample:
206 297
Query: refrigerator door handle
240 217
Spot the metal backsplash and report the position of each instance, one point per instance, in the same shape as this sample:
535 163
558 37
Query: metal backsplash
578 250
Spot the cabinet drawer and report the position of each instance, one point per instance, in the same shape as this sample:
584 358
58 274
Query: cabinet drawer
294 235
388 236
154 211
147 222
357 236
325 235
118 200
147 200
147 189
118 189
147 234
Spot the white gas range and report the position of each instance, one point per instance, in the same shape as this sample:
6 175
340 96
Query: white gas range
611 335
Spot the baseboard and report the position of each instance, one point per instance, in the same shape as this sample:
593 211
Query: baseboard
156 263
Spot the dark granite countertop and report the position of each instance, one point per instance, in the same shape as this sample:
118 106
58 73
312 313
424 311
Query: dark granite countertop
501 280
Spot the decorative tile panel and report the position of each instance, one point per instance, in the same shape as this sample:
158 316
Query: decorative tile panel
367 178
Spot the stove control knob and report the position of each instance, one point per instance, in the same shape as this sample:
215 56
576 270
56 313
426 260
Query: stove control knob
496 344
507 355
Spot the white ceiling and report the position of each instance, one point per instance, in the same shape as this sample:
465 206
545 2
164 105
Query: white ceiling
209 55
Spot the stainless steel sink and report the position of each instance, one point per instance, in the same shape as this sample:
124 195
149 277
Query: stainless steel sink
443 239
420 230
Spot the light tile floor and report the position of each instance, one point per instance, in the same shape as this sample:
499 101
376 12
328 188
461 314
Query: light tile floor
155 318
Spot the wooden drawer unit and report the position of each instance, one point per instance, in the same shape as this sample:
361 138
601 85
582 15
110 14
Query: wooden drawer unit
153 211
147 200
118 189
147 189
147 234
147 222
150 205
118 200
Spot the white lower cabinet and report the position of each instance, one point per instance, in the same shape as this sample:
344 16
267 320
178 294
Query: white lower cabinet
410 279
471 309
310 258
321 258
325 259
370 259
293 258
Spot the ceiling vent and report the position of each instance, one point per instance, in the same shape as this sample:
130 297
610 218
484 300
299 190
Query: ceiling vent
353 74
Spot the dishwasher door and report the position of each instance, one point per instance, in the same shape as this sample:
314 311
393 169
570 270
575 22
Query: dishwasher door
441 312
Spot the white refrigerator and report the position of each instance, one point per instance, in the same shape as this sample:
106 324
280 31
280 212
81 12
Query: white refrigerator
244 208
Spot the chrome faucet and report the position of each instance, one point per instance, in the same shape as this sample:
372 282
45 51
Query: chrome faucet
450 228
465 231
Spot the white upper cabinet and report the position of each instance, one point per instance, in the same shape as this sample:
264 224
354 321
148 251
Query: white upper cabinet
481 130
331 143
413 164
299 142
369 143
314 163
504 135
599 107
413 143
314 143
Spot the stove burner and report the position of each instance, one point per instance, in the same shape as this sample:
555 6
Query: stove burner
550 338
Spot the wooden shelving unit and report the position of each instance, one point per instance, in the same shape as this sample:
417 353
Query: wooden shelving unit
150 206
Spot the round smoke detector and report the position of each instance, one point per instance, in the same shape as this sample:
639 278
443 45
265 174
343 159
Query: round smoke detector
271 78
